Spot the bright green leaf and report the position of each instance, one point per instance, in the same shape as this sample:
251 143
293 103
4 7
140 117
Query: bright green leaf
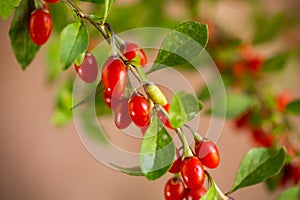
294 107
53 62
23 47
236 104
63 104
182 45
211 194
258 165
277 62
7 7
132 171
290 194
183 108
73 42
157 151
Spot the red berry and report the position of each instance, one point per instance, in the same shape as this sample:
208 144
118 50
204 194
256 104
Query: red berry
139 110
195 195
88 70
162 117
208 154
192 173
40 26
283 100
107 99
174 189
239 69
121 114
262 138
114 77
255 65
295 173
52 1
243 120
175 168
132 52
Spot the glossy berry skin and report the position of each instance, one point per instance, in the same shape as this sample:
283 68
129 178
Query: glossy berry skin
139 110
52 1
208 154
107 99
88 70
175 168
162 117
195 195
174 189
133 52
40 26
121 114
192 173
114 76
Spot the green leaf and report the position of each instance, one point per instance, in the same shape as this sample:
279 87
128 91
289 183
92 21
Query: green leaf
258 165
7 7
97 1
132 171
63 104
211 194
183 108
157 151
294 107
276 62
53 62
290 194
23 47
236 104
73 41
270 29
182 45
273 182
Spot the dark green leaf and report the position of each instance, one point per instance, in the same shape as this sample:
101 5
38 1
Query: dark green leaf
23 47
258 165
294 107
132 171
73 42
273 182
276 62
183 108
7 6
182 45
290 194
268 29
157 151
236 104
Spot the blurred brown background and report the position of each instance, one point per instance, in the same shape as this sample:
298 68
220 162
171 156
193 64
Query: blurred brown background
41 162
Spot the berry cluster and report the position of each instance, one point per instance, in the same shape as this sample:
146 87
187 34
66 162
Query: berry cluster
192 172
269 135
40 23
